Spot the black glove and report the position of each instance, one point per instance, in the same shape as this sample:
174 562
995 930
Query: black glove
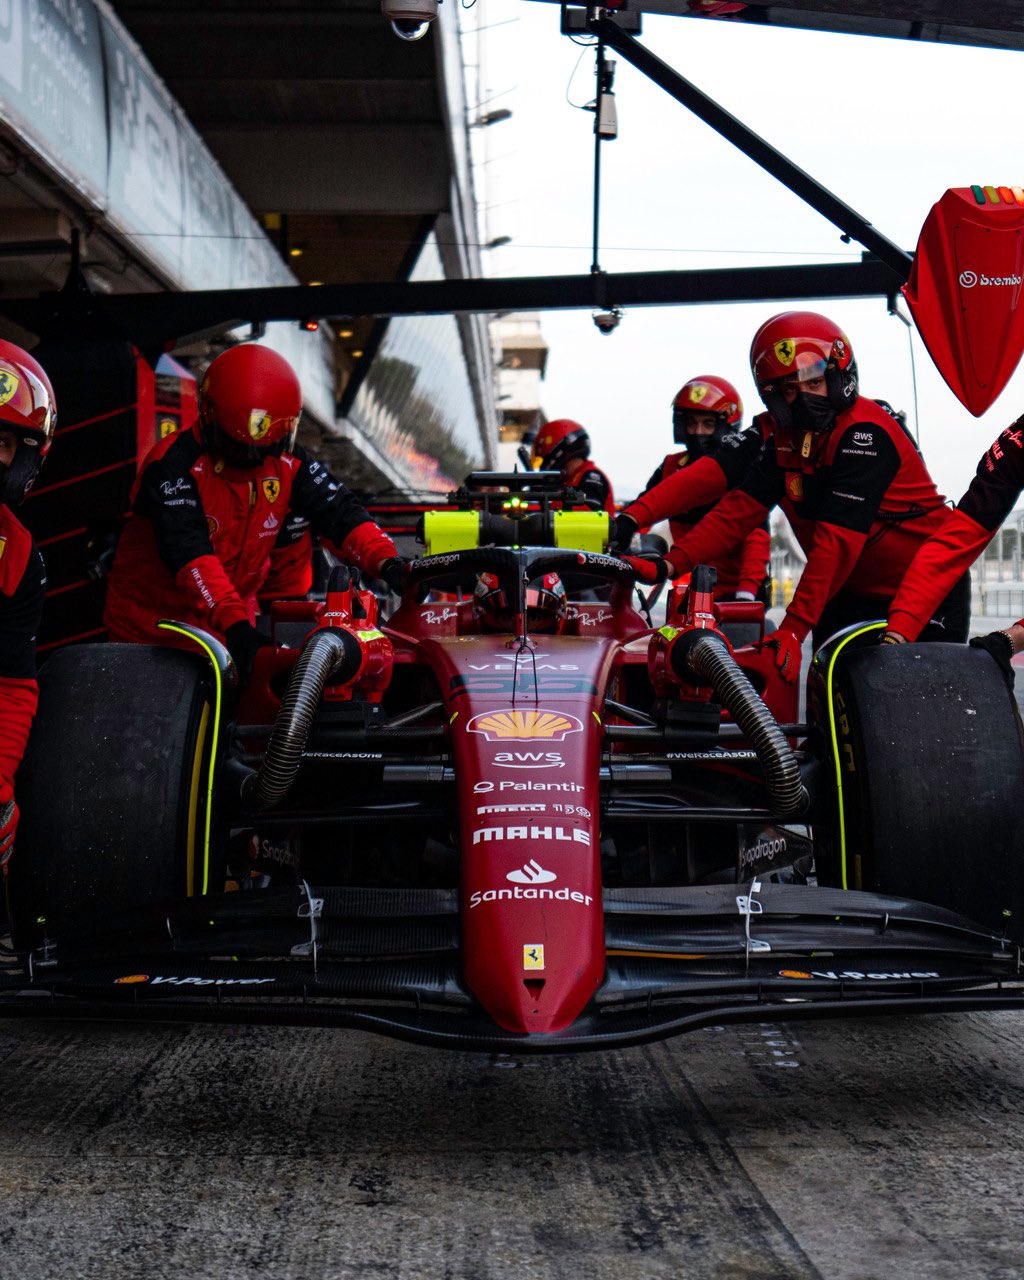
1000 646
621 529
242 640
392 571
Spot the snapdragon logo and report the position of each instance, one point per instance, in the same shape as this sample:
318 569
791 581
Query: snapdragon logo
968 279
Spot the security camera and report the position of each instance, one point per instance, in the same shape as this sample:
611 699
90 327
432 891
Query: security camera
409 18
608 321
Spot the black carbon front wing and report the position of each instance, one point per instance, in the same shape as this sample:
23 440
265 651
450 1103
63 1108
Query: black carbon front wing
388 961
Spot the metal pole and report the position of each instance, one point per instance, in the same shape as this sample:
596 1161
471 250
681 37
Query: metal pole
851 223
595 266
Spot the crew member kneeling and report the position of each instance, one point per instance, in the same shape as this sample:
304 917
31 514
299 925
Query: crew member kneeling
209 503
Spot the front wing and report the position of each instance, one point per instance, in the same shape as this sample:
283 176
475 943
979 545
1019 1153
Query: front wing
678 959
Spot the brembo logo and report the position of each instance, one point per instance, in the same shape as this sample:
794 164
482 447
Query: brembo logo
524 726
531 873
968 279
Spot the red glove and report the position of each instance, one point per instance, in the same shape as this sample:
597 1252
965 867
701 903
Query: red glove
787 652
652 569
8 825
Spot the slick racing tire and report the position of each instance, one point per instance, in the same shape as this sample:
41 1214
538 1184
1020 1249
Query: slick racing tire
930 801
113 789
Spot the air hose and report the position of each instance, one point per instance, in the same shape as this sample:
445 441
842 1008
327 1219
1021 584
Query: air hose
330 653
704 653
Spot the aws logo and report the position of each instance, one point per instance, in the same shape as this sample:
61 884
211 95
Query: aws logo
524 726
785 350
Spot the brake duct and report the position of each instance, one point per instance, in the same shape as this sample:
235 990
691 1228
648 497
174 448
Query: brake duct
705 653
330 654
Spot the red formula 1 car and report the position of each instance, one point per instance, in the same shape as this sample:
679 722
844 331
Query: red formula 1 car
515 816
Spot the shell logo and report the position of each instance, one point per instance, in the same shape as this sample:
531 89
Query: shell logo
130 979
524 726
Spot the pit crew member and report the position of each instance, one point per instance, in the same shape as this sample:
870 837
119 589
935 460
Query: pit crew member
209 505
849 479
27 419
706 413
949 553
563 445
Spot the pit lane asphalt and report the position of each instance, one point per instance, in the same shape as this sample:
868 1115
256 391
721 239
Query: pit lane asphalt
847 1151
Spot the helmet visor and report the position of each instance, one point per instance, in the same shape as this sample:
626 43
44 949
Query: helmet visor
807 369
24 401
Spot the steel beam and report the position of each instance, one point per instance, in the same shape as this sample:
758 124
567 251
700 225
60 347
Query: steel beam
155 319
848 220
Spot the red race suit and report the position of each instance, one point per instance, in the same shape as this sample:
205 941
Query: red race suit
22 587
951 551
591 481
744 567
197 547
701 482
859 498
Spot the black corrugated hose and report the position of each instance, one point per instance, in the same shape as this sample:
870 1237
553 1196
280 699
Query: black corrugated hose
327 654
708 656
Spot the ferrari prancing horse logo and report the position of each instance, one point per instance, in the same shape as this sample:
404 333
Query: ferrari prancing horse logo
533 955
8 385
271 488
785 350
259 424
697 392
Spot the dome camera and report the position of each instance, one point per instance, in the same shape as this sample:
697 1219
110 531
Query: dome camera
608 321
409 18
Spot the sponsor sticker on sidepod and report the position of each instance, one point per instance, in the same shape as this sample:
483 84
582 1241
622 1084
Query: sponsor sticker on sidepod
856 975
156 981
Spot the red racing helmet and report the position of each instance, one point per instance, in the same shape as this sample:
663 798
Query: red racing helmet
545 605
557 442
709 394
802 345
249 404
29 410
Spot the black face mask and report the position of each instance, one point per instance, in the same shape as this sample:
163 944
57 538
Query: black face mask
17 477
701 446
812 413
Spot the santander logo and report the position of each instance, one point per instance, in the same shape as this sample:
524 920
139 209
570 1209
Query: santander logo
531 873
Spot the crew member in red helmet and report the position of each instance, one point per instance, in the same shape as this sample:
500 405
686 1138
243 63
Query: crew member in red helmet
563 445
706 415
848 477
27 419
209 504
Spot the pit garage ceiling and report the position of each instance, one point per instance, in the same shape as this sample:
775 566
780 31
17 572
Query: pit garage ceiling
331 129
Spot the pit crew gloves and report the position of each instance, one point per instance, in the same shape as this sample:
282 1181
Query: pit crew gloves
206 580
242 640
1000 646
621 529
650 569
392 571
785 646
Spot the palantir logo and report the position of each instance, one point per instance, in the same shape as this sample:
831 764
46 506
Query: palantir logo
968 279
531 873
